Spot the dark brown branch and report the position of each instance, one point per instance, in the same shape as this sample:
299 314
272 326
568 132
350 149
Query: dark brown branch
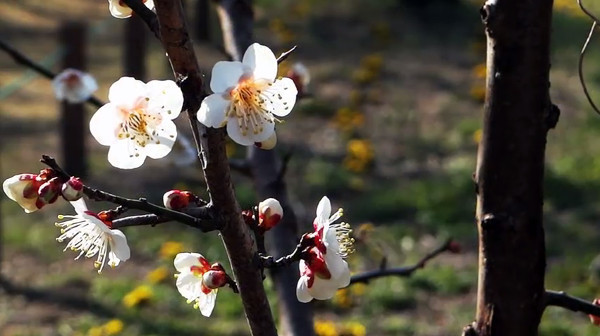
580 65
203 212
586 11
20 58
296 255
562 299
204 224
401 271
145 14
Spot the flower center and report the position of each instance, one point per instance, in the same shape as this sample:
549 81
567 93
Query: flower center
249 106
343 234
139 125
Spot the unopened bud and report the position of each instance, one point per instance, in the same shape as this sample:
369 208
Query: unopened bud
300 76
23 189
454 247
593 318
72 190
214 279
270 213
177 199
267 144
48 192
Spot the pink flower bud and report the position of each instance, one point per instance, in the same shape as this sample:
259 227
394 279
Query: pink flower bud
74 86
270 213
301 77
214 279
177 199
23 190
72 190
267 144
48 192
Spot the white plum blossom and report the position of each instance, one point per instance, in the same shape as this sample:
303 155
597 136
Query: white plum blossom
120 10
247 97
74 86
324 270
90 236
199 281
138 121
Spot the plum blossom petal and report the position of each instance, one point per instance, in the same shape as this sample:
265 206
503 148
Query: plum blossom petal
189 286
91 236
323 210
261 61
74 86
225 75
105 123
302 292
183 261
207 303
213 111
122 154
22 189
137 122
121 11
166 97
281 96
247 98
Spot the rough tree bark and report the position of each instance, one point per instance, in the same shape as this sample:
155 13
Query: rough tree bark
236 19
510 168
236 234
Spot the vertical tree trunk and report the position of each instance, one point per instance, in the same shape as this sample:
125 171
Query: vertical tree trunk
134 48
236 19
510 167
235 233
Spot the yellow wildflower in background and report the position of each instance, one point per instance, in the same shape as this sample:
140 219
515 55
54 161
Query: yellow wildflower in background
478 93
372 62
347 119
113 327
170 249
356 97
157 275
325 328
342 298
569 7
110 328
358 289
354 329
139 295
479 71
359 155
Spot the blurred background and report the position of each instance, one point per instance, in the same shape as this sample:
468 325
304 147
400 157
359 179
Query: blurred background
389 131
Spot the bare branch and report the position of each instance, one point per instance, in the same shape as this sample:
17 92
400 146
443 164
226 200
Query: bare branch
206 225
562 299
296 255
20 58
401 271
145 14
586 11
580 63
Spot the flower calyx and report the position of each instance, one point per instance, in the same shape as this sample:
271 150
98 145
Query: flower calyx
72 190
178 199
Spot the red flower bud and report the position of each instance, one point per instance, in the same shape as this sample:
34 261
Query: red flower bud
48 192
177 199
270 213
72 190
454 247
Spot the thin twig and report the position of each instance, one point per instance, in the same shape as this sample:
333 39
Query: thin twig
204 224
401 271
296 255
20 58
285 55
145 14
562 299
580 65
587 12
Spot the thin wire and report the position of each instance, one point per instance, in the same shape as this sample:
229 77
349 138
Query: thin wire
582 55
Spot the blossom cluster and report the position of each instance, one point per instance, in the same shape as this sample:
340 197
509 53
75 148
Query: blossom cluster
138 121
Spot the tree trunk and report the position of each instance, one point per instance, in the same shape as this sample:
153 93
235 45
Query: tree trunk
236 19
510 168
235 233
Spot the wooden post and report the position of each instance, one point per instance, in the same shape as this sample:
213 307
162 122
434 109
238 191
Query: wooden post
134 48
72 37
510 169
202 20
